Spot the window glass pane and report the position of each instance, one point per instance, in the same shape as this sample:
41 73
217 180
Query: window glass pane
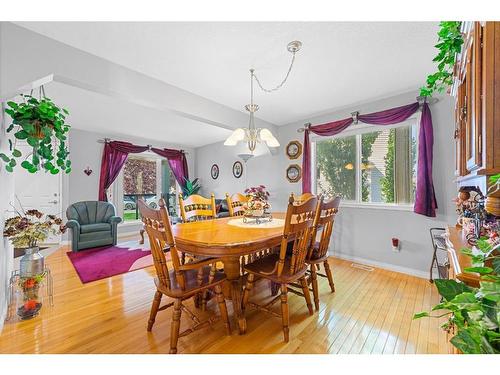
139 182
336 167
388 165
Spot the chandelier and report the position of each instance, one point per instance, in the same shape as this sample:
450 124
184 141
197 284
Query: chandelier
253 135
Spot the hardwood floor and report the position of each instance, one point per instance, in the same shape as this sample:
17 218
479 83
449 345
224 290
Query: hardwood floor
370 312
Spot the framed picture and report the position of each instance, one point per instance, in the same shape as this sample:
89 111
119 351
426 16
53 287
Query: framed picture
237 169
293 149
294 173
214 171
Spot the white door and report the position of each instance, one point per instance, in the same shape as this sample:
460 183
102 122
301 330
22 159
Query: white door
41 190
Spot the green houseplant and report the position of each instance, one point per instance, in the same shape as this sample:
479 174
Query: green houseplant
473 313
42 124
450 41
190 187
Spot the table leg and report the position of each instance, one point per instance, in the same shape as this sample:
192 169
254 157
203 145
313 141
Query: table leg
232 270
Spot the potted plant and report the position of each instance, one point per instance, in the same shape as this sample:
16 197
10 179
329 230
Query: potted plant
190 187
42 124
474 313
28 229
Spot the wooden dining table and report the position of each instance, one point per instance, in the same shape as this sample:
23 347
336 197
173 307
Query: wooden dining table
217 238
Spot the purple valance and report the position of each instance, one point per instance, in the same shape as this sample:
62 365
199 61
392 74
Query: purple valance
425 199
115 155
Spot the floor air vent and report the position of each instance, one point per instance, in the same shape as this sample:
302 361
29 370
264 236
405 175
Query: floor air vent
362 267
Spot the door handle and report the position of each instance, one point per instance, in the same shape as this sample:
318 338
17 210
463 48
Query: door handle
54 201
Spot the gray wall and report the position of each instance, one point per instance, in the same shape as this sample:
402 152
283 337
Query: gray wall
361 234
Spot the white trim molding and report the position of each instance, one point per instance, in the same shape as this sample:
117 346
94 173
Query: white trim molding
383 265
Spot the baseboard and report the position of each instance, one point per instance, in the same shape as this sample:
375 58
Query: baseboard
386 266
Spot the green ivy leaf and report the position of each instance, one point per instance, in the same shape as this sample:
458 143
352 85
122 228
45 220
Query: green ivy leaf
4 157
420 315
480 270
26 165
16 153
449 289
9 169
496 265
468 342
21 134
466 301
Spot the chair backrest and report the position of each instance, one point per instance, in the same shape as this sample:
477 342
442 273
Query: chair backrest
299 199
159 231
299 223
235 204
90 212
195 207
324 220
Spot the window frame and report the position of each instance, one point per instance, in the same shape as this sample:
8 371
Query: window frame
117 187
357 130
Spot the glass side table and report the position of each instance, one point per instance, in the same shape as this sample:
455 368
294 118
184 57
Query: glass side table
26 294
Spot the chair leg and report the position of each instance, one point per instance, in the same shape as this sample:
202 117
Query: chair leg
248 288
284 311
329 275
314 278
223 308
175 326
307 296
154 310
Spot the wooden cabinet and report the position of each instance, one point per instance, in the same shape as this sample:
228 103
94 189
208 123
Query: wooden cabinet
477 108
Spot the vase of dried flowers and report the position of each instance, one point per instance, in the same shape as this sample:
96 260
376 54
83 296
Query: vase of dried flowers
257 201
28 229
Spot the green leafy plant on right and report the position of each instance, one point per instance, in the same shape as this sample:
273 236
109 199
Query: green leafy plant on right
474 313
450 41
190 187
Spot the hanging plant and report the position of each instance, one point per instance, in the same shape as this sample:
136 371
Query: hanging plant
450 41
42 124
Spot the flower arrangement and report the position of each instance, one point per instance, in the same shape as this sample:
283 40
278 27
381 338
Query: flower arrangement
31 227
257 201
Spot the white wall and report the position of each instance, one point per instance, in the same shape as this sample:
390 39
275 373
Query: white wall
6 197
363 234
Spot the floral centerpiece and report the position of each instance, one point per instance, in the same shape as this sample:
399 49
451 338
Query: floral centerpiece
28 229
257 201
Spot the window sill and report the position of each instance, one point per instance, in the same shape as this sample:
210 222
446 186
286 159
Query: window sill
376 206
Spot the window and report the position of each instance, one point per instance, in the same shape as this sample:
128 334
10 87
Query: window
149 178
377 167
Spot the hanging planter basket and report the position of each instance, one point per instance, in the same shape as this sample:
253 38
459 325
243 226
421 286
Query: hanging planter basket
42 125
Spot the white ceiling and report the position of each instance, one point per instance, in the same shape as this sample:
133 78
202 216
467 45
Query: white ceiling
114 117
341 63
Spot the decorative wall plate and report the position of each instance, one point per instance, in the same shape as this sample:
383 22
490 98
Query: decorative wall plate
237 169
214 171
294 173
293 149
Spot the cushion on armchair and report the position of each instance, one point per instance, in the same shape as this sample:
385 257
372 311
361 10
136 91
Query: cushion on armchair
98 227
92 224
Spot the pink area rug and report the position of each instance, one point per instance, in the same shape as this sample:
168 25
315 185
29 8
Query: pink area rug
103 262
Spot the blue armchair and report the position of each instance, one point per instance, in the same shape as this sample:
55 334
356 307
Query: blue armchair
92 224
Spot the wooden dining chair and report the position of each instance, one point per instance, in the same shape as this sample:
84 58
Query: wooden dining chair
181 282
282 269
318 250
196 208
235 204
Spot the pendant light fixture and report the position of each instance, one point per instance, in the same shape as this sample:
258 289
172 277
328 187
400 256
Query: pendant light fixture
253 135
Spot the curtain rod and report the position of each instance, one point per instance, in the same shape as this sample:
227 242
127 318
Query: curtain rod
420 99
106 140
